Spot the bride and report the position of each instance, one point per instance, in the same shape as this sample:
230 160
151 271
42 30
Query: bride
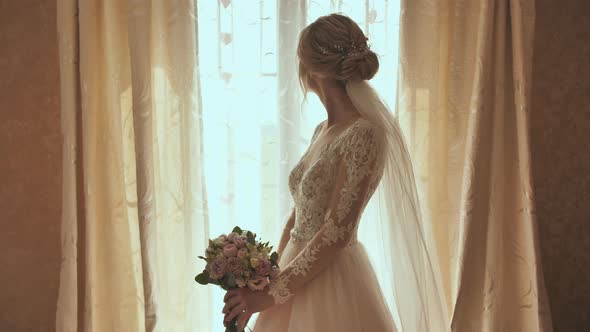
326 281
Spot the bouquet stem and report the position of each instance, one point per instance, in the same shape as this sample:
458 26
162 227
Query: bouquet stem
232 326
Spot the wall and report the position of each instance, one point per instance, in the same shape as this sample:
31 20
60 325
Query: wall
30 165
560 137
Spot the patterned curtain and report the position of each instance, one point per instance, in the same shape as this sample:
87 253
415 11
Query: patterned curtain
134 207
464 102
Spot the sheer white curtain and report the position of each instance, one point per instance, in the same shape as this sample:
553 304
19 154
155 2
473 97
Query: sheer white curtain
256 124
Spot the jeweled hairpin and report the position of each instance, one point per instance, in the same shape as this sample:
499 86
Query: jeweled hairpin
347 49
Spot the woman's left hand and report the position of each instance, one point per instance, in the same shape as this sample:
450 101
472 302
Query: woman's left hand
245 302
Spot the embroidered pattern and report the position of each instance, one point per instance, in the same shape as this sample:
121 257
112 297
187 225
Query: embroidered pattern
352 165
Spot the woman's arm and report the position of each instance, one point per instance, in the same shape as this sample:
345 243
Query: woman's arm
286 235
356 179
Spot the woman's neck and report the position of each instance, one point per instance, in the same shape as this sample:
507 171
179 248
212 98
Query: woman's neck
338 105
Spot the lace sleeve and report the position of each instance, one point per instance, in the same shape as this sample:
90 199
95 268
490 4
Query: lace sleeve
285 235
358 172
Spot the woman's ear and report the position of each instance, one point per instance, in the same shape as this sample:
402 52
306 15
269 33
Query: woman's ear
312 81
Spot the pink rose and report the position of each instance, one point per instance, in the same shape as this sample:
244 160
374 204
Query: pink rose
263 268
257 283
230 250
237 239
241 241
234 266
242 253
232 236
216 269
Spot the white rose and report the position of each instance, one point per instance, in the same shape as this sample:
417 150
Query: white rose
254 262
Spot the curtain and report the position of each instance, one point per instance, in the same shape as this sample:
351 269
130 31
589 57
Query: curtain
464 103
134 207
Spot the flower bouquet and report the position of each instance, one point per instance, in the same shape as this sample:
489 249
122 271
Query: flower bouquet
238 260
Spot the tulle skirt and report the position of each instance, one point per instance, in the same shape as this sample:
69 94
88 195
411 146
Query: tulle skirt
346 296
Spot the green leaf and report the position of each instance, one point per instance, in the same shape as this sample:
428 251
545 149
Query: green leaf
274 256
203 258
237 230
202 278
250 237
230 280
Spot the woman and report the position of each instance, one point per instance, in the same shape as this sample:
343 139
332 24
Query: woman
326 281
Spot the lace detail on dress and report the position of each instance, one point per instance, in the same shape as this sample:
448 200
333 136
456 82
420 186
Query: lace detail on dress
278 289
340 182
333 232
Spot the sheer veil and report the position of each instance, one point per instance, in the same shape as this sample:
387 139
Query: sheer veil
406 238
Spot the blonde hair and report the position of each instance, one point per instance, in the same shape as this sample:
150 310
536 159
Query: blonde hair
334 46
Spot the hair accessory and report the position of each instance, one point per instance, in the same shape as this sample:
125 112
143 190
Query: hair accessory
347 49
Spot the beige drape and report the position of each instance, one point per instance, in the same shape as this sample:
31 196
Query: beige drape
465 78
134 208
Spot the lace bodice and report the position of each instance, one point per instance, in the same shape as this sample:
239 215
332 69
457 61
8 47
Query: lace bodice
330 192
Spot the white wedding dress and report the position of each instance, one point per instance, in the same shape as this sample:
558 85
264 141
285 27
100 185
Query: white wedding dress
327 282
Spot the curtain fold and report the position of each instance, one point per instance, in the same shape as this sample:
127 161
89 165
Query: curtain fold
465 76
291 20
70 311
135 208
139 46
